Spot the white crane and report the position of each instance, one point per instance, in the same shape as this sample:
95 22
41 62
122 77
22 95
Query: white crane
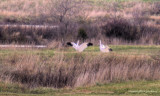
104 48
78 47
75 45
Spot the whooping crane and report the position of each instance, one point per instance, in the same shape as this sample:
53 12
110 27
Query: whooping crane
74 45
104 48
78 47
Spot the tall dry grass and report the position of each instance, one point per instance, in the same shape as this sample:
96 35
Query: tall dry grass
77 69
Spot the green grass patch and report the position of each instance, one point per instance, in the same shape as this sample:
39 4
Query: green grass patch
130 88
117 49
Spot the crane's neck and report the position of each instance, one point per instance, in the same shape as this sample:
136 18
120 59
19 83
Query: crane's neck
78 43
100 42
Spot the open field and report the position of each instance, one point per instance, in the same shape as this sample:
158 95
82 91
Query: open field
145 50
87 72
130 27
131 88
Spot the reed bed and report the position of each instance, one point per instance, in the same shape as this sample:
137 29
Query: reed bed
76 69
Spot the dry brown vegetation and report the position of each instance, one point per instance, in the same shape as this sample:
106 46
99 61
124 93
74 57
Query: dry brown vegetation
123 22
112 22
76 69
28 34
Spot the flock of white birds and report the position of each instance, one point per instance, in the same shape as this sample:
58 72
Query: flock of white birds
80 48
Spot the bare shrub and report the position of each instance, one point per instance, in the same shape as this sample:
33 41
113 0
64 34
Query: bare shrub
155 8
121 28
64 12
82 34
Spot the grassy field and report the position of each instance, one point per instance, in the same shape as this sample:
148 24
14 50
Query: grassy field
130 70
118 49
131 87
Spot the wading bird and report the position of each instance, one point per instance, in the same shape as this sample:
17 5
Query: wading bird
104 48
78 47
74 45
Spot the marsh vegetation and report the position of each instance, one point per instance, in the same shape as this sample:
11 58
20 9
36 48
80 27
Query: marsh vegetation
130 28
39 71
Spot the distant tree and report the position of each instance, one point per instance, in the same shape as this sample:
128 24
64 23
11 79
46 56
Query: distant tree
82 34
64 12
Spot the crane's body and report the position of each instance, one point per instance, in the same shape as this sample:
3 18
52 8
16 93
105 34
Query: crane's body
78 47
104 48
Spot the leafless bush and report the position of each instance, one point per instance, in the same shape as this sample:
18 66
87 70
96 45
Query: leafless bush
155 8
121 28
